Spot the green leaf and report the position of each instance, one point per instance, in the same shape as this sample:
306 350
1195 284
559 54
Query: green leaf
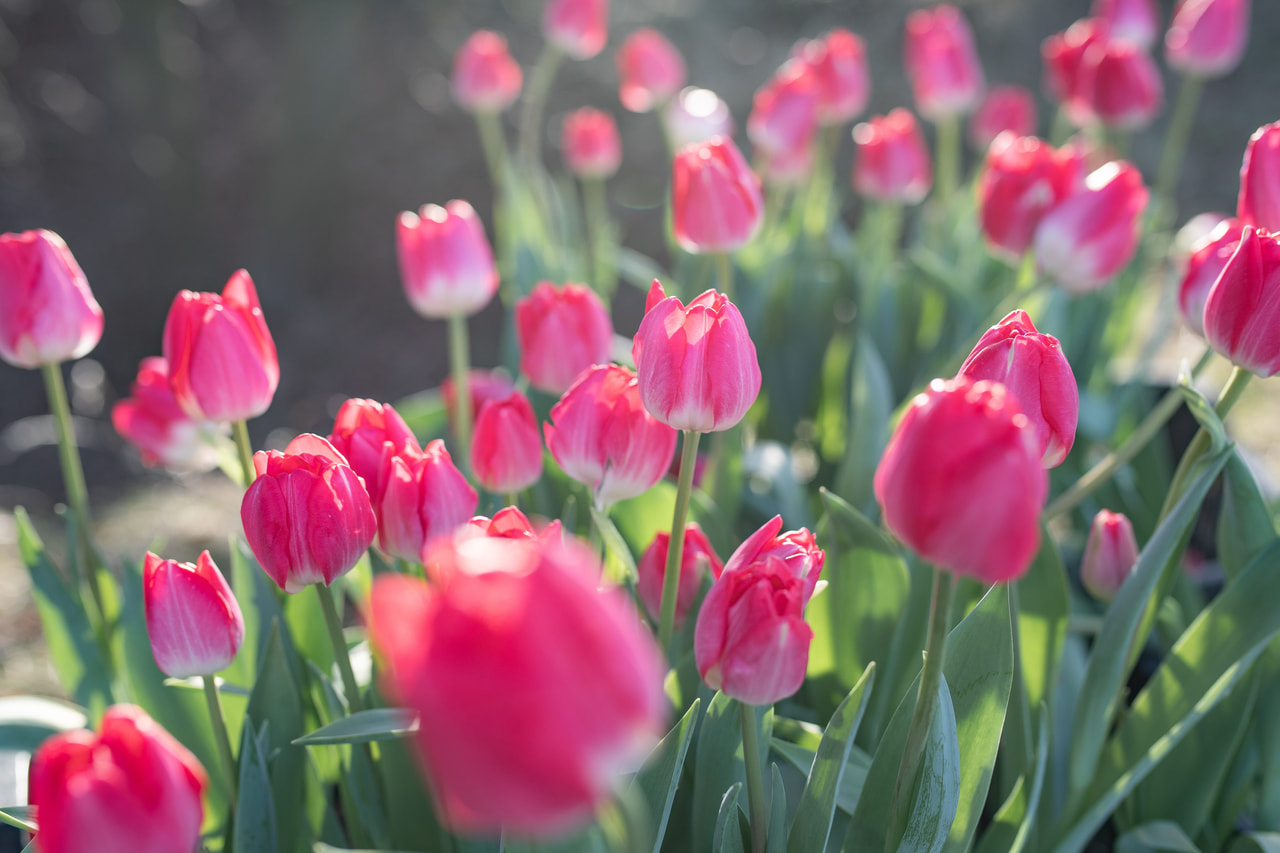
1159 835
321 847
718 761
817 805
727 837
658 779
776 842
1010 829
255 823
1044 603
1245 525
18 817
1202 410
615 546
870 410
26 721
1257 842
855 770
937 789
363 727
276 699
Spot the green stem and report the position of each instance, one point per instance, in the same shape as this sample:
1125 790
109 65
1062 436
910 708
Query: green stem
755 778
926 707
240 429
948 158
1175 145
892 215
513 499
534 102
675 548
460 365
495 148
73 481
1230 394
596 209
1061 129
817 196
340 653
219 721
724 274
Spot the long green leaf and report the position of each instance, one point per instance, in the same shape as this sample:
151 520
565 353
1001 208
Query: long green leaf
1245 525
658 779
727 837
776 842
18 817
1011 827
363 727
255 825
855 770
718 761
870 408
937 791
1156 836
276 700
1258 842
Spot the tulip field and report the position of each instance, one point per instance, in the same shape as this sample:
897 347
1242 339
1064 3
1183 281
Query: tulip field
870 533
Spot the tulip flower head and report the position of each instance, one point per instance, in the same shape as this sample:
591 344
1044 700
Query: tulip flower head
424 497
580 28
651 70
1208 258
696 115
485 385
942 63
592 148
562 331
1242 311
652 569
366 432
1259 200
1207 38
1006 108
1063 55
892 162
194 622
47 313
446 263
151 420
1136 21
485 77
715 199
1109 555
506 449
839 64
1022 179
1118 85
784 117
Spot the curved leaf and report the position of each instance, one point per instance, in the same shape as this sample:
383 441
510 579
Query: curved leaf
363 727
658 779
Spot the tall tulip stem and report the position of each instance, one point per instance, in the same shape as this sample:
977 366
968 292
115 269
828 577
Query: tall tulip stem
219 722
724 274
340 653
534 101
495 149
460 366
948 158
244 448
755 778
1175 145
675 547
595 209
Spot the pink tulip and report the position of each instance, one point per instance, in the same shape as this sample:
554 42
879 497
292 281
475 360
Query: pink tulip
151 420
1207 38
222 361
485 385
424 497
446 264
485 77
1208 259
1109 555
892 162
784 117
652 569
1259 200
1118 85
696 365
193 620
961 481
366 432
839 63
580 28
601 435
1063 55
592 148
535 691
307 516
1242 312
1136 21
511 523
130 788
1006 108
47 312
715 199
797 550
562 331
506 448
651 70
1035 371
696 115
1022 180
942 63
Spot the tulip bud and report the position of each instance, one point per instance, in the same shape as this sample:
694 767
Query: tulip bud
696 115
696 365
1207 37
1136 21
1063 56
715 199
601 435
590 143
651 70
47 313
511 523
1206 263
892 162
1087 239
485 385
535 691
222 361
784 117
446 264
424 497
1242 312
961 480
506 449
1109 555
307 516
1118 85
580 28
131 787
485 77
366 432
1035 371
193 620
942 63
839 64
1259 201
1022 180
151 420
1006 108
652 569
562 331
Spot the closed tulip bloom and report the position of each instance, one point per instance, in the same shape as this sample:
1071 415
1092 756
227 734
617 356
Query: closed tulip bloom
47 313
446 263
1242 312
485 77
151 420
1259 200
1119 86
892 162
1208 259
130 788
961 481
942 63
651 70
839 63
1006 108
580 28
193 620
506 448
590 142
602 436
1035 371
536 692
696 364
1022 180
715 199
784 117
696 115
1136 21
307 516
365 432
652 569
511 523
1207 38
424 497
1109 555
485 385
222 360
562 331
1063 55
1087 239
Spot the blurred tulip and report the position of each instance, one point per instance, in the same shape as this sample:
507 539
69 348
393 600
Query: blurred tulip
151 420
222 361
652 568
446 263
1109 555
424 497
194 622
1118 85
942 63
1063 55
1022 180
1204 266
511 523
839 63
1207 38
715 199
1035 371
892 162
562 331
961 481
590 143
485 77
47 312
307 516
578 27
1136 21
784 117
696 115
1006 108
1242 312
485 385
506 448
651 70
130 788
366 432
1259 200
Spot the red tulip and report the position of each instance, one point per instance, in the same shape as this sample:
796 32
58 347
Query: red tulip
365 432
1035 371
506 449
193 620
535 691
651 70
696 115
562 331
1022 180
424 497
485 385
1006 108
652 569
307 516
511 523
1064 54
1118 85
222 361
1206 263
590 143
601 435
1242 313
1259 201
942 63
446 264
839 63
715 199
47 312
1109 555
892 162
577 27
151 420
1136 21
130 788
485 77
961 481
784 117
1207 38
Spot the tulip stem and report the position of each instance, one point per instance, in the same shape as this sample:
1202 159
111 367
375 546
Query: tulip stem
1175 146
1200 444
724 274
460 365
948 158
596 213
926 707
535 99
340 653
245 448
495 149
755 778
675 547
219 721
